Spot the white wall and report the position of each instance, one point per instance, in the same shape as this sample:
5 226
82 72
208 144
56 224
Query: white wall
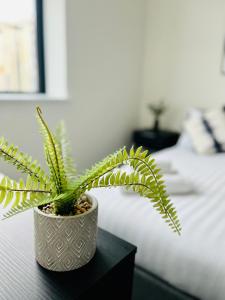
105 45
183 52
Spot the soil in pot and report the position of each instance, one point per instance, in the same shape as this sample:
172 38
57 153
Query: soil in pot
81 206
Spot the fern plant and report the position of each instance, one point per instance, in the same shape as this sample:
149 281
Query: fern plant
63 187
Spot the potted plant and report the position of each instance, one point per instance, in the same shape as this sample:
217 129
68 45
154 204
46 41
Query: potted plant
65 214
157 109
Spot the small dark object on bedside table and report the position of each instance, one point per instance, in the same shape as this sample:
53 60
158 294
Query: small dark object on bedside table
157 109
154 140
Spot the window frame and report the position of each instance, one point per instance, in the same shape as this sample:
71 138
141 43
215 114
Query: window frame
40 46
55 57
40 55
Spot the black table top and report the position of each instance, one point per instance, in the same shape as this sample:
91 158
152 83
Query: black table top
150 133
22 278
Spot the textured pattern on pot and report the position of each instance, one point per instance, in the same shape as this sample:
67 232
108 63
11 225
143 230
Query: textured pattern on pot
65 243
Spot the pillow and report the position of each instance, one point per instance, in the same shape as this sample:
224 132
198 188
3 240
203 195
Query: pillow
206 130
215 119
184 141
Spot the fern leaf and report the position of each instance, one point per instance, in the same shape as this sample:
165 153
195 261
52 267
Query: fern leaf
14 193
145 165
23 162
36 200
108 164
53 155
145 180
65 146
139 184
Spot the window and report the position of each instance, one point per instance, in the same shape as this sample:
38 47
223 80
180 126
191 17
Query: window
33 50
21 47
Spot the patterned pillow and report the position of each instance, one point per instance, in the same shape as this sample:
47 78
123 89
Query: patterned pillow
206 130
215 120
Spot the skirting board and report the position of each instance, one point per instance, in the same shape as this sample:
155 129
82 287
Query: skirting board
148 286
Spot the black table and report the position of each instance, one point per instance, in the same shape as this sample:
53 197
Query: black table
154 140
109 275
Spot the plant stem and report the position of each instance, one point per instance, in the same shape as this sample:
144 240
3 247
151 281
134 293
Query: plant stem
29 191
29 171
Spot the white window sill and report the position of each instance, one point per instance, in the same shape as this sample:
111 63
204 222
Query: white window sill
31 97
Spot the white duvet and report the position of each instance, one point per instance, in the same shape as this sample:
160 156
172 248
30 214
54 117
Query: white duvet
194 261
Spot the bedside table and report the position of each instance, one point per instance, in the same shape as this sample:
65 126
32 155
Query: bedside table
154 141
108 275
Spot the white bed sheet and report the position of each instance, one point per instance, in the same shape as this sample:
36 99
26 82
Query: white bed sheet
194 261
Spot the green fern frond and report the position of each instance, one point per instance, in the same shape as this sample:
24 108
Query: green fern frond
53 155
23 162
145 186
108 164
146 180
144 164
65 146
36 200
14 193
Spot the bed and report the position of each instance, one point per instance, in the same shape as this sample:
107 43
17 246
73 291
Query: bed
195 261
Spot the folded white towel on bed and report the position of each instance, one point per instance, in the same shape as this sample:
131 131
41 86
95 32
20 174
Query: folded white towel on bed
166 166
177 184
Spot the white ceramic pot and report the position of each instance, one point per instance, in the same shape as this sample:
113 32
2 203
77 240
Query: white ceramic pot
65 243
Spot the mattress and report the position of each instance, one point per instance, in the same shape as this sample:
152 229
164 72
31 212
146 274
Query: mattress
195 261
